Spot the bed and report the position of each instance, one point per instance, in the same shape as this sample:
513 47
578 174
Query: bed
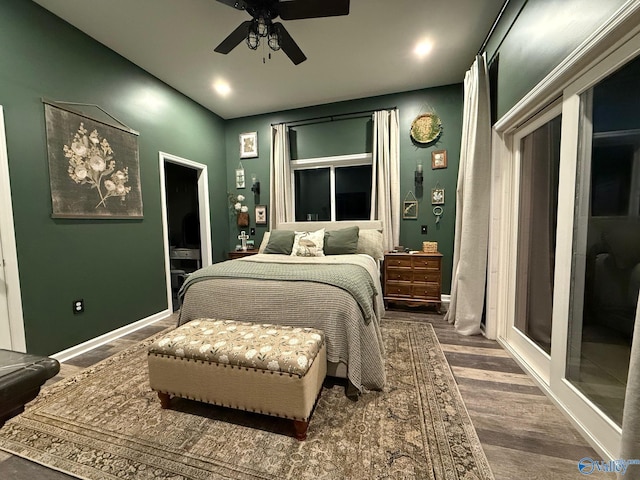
340 294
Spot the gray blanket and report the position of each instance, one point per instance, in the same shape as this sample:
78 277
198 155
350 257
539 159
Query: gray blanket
354 279
351 340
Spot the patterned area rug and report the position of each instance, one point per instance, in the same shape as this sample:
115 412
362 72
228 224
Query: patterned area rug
105 423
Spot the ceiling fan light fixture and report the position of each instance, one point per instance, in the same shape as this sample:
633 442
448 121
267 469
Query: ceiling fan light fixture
262 27
273 39
264 12
253 39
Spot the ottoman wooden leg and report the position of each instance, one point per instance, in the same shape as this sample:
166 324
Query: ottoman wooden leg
164 399
300 429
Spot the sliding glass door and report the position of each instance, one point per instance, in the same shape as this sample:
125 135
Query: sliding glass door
536 147
606 244
569 235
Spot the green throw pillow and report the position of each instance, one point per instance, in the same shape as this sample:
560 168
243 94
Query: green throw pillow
280 242
341 242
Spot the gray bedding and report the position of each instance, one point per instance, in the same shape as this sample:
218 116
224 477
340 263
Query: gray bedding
351 338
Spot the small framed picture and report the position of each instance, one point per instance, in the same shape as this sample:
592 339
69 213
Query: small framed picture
261 214
410 209
438 159
240 178
437 196
249 145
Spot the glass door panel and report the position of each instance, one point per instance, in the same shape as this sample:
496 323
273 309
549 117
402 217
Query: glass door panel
606 246
537 225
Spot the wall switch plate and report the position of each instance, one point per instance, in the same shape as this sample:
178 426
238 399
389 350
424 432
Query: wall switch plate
78 306
252 231
423 229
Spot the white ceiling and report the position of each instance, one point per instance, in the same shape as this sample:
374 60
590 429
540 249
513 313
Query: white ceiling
367 53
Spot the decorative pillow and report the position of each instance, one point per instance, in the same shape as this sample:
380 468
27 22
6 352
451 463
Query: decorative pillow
370 242
341 242
308 244
280 242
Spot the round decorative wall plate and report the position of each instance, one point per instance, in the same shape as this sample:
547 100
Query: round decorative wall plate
426 128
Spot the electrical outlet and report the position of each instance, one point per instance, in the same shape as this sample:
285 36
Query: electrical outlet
78 306
423 229
252 231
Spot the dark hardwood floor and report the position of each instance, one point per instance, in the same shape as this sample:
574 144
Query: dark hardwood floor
523 434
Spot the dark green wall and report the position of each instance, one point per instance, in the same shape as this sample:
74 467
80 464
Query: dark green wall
544 33
116 266
354 136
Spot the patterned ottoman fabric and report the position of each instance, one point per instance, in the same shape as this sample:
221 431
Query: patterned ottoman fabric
277 348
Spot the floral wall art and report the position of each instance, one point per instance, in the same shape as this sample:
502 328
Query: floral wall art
93 167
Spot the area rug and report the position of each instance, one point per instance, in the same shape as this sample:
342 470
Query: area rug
105 423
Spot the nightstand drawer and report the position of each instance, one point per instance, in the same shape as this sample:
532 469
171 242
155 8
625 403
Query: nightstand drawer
426 263
426 276
393 274
400 261
428 291
398 290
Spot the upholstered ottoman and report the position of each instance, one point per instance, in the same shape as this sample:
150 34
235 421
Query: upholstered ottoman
271 369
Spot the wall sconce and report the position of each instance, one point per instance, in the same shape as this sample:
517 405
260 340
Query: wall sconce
418 175
255 185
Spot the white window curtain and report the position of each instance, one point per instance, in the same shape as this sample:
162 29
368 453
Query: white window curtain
472 205
280 188
630 449
385 185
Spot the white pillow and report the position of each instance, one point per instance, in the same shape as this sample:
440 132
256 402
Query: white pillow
371 242
308 244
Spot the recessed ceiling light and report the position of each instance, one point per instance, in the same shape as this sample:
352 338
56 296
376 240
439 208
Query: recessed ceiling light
423 48
222 88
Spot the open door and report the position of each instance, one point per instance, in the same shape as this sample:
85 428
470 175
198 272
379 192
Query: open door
192 246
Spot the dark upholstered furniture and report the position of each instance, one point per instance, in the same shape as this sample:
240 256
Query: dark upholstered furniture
21 376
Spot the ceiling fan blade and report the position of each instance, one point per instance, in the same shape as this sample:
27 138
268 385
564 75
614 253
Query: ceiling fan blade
289 46
298 9
232 41
237 4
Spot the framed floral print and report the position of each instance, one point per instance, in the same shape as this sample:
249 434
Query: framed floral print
249 145
437 196
94 169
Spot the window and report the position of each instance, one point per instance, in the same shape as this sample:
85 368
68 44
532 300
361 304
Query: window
332 188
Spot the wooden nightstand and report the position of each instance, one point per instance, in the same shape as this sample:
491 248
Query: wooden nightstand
413 278
240 253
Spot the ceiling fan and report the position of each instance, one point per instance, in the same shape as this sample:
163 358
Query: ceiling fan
263 12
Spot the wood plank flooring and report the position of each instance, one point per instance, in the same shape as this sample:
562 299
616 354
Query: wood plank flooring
523 434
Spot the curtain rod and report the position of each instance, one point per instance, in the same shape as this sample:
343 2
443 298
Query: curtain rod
493 27
331 118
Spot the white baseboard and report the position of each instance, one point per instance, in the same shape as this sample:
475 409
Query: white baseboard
84 347
446 300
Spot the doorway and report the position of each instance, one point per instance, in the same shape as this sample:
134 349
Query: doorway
185 218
